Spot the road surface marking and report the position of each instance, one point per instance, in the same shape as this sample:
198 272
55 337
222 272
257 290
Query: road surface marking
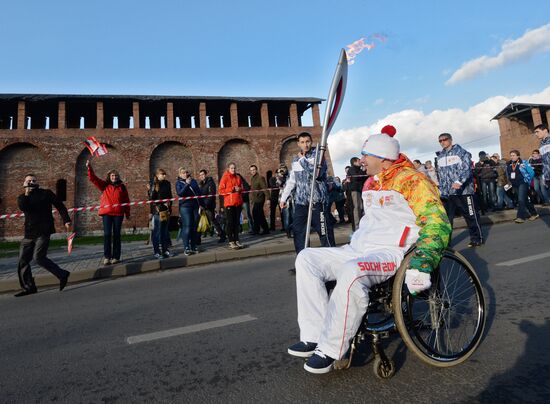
189 329
523 260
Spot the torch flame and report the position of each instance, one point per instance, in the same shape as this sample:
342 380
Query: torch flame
357 47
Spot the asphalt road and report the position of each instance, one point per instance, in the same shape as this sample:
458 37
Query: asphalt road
74 346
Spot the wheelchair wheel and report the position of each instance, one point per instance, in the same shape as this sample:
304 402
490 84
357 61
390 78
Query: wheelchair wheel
443 325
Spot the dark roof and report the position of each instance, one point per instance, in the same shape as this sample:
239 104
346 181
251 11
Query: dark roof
516 108
168 98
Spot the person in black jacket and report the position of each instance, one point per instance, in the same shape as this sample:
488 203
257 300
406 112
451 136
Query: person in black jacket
246 205
346 186
356 178
160 188
36 204
274 185
208 187
486 176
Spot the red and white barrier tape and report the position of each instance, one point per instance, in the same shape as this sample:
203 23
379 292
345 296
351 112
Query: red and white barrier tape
147 202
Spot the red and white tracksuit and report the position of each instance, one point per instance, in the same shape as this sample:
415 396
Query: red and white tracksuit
375 252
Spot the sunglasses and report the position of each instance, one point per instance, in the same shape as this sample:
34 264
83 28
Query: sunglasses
443 139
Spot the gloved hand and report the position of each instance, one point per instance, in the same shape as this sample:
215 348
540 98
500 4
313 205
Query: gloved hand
417 281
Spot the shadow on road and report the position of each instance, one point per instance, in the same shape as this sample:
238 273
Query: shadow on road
481 267
546 220
527 380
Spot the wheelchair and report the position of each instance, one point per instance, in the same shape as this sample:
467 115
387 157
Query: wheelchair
442 326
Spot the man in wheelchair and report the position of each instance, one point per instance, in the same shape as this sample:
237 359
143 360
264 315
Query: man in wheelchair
402 207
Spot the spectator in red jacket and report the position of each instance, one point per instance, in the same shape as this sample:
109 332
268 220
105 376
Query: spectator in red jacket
113 194
231 187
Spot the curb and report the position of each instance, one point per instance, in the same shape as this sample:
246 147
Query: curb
287 246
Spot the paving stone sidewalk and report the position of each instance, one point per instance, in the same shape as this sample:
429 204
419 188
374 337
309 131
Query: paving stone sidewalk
85 261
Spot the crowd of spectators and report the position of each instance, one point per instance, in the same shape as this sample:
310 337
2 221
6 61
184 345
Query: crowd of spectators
467 188
490 184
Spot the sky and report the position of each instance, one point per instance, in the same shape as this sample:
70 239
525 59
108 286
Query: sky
444 66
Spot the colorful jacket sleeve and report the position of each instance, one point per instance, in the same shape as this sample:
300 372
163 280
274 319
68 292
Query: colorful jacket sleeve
435 229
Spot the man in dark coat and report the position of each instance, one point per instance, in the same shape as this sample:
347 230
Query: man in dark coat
37 204
486 176
356 177
258 196
208 187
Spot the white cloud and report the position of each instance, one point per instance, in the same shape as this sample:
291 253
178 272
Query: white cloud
417 131
533 41
379 101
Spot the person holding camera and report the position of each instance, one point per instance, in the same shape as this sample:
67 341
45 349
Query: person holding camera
36 204
160 188
231 187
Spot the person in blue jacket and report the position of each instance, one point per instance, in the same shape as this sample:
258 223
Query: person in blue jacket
186 187
520 174
456 184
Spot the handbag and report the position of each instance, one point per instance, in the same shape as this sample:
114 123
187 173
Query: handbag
164 213
204 223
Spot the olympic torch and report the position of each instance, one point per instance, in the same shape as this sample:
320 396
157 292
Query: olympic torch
334 103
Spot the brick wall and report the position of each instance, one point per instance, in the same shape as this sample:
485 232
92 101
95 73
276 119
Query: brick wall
516 134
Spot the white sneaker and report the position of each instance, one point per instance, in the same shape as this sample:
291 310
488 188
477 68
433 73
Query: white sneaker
157 256
114 261
106 261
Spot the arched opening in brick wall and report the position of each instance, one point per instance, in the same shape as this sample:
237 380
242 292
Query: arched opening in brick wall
170 156
239 152
86 194
16 161
288 151
61 189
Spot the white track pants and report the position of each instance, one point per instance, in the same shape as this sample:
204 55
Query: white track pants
332 323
